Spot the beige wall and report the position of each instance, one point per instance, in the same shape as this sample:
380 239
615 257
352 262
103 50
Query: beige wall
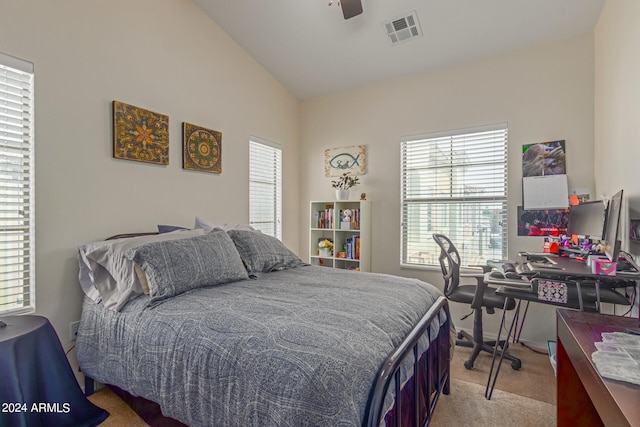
617 106
545 93
163 55
617 110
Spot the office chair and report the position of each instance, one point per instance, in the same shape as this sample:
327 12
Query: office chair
478 296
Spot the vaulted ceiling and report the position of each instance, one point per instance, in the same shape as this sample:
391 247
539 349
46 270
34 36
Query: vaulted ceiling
313 51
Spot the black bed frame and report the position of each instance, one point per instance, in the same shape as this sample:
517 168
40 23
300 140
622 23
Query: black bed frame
435 365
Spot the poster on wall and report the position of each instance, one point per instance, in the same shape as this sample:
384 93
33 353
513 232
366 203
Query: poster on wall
544 176
547 222
346 159
544 158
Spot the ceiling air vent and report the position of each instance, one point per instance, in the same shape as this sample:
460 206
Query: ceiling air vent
403 28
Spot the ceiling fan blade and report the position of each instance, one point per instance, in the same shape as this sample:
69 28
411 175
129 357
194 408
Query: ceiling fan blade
351 8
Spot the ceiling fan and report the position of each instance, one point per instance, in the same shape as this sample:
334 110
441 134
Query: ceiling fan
350 8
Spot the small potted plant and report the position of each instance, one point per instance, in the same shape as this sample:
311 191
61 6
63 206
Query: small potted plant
326 247
343 184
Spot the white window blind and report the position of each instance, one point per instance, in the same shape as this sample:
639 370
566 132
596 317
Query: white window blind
455 184
17 258
265 186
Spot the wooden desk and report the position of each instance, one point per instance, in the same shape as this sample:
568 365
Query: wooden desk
584 398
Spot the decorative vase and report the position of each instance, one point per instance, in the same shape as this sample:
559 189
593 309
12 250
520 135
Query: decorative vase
342 194
325 252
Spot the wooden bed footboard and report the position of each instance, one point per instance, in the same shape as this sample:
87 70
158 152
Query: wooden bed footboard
435 375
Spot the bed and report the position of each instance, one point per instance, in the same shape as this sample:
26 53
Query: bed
276 342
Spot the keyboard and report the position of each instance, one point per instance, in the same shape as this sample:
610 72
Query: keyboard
544 266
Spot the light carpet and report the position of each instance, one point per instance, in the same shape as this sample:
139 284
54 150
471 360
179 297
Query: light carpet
466 405
535 379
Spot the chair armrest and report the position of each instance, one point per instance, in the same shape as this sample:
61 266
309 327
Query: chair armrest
485 267
481 286
478 297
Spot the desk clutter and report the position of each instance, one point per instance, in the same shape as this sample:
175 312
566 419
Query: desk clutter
618 356
561 281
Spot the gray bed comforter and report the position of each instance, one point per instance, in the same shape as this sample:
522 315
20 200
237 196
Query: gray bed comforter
299 347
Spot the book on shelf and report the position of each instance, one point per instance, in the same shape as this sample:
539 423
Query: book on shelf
352 245
325 218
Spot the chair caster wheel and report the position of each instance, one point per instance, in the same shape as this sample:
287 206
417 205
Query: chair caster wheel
468 364
516 365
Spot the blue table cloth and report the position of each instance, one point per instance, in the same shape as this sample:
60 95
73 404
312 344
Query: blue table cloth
37 385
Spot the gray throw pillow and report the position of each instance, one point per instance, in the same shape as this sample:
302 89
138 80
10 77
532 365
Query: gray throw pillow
262 253
177 266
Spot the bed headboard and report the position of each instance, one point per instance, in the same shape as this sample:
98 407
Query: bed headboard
125 235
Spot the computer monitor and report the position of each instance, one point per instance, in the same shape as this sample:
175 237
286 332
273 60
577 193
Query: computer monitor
587 219
610 237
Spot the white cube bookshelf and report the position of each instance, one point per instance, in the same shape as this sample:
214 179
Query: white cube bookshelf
326 222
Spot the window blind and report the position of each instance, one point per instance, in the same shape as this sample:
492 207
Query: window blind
17 258
455 183
265 186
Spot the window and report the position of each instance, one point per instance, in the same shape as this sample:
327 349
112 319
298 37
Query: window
17 258
265 186
455 183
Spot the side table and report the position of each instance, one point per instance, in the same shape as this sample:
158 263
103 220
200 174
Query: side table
38 387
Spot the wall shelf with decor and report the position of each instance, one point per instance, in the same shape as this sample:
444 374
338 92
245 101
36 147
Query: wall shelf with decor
347 225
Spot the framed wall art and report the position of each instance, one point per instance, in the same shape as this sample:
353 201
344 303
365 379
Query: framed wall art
346 159
201 149
140 134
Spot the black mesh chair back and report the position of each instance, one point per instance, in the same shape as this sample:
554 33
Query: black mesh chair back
449 263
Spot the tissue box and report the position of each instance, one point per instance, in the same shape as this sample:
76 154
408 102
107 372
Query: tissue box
604 267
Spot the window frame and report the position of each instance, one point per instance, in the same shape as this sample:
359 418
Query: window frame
17 220
465 203
256 143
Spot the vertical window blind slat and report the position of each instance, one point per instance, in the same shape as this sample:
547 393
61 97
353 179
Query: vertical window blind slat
17 237
265 186
455 184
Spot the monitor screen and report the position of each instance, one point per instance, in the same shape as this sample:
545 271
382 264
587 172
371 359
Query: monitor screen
587 219
611 242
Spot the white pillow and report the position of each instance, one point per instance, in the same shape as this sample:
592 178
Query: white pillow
112 275
86 277
207 225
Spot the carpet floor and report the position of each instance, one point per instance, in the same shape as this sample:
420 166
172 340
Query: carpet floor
535 379
523 398
466 405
